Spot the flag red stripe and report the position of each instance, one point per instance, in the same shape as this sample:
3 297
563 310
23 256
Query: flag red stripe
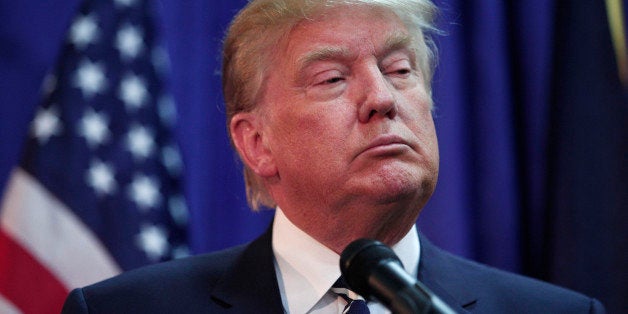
27 283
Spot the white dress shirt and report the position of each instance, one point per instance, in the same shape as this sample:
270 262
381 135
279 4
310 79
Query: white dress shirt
306 269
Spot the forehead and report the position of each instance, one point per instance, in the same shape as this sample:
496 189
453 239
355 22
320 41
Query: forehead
346 32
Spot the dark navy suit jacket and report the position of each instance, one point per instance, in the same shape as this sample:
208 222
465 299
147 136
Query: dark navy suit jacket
242 280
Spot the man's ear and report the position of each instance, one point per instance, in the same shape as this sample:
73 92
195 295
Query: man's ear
248 138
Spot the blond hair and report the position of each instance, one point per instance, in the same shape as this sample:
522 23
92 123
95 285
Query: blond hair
258 28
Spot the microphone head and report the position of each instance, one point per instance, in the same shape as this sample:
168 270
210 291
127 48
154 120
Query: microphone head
359 259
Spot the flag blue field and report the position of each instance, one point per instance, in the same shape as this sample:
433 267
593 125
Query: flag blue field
98 186
530 117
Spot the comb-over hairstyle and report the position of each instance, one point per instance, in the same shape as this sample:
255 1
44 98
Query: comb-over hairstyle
256 32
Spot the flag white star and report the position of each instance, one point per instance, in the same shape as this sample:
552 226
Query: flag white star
100 177
83 31
140 142
167 110
129 41
144 191
93 127
46 124
178 210
171 159
159 58
153 240
49 84
125 3
180 251
90 78
133 92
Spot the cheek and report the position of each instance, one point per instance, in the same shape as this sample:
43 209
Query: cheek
427 131
430 141
318 132
418 110
418 117
327 134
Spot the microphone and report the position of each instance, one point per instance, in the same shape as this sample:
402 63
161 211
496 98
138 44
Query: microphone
373 270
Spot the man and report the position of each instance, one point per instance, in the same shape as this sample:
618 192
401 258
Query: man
328 106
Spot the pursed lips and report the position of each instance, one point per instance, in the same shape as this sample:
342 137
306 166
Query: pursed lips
388 143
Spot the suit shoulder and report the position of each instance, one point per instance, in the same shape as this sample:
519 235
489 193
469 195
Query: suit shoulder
502 290
206 266
159 286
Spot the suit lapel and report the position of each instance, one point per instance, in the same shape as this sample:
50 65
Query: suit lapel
251 284
438 272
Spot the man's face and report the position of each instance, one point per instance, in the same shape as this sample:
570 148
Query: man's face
347 117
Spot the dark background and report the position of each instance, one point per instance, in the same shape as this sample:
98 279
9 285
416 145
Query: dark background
531 117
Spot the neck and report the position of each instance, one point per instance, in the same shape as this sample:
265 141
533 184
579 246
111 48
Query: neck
337 228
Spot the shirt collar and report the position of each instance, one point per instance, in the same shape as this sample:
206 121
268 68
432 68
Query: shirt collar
306 269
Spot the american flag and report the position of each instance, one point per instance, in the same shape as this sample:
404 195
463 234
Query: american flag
97 190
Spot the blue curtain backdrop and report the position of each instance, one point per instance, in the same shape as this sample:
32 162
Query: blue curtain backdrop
531 117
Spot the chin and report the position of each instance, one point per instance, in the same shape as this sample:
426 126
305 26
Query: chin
394 182
403 187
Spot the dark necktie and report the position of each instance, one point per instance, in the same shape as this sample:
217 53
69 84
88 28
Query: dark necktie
354 305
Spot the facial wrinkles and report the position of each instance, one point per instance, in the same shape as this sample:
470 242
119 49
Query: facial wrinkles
314 139
397 39
358 48
321 54
364 65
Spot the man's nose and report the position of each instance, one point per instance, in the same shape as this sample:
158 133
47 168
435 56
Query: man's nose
377 97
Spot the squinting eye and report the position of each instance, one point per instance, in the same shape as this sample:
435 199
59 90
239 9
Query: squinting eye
332 80
400 72
403 71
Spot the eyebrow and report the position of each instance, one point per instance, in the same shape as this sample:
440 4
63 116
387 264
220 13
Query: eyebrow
400 41
396 41
323 54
